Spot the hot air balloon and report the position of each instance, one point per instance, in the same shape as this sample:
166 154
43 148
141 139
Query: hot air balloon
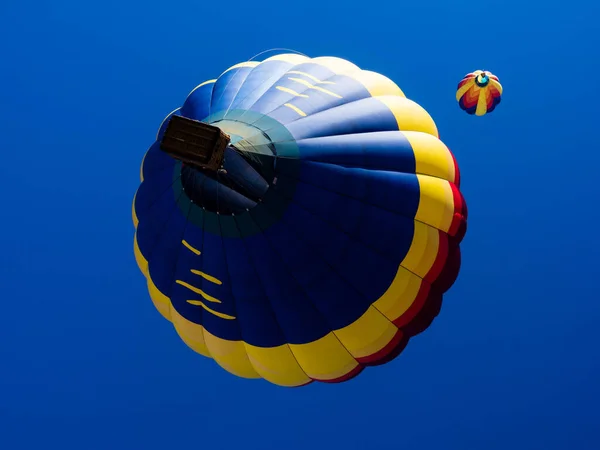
479 93
298 219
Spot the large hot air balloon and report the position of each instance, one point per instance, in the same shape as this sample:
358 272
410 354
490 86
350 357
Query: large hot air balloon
479 93
298 219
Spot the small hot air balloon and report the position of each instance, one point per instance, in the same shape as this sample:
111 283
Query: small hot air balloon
479 92
298 219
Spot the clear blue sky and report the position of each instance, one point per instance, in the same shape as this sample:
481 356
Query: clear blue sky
88 363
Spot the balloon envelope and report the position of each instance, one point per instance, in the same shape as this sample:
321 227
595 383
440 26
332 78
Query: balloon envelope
479 93
327 237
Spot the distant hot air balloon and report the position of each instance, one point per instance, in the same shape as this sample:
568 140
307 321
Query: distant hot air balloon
479 93
298 219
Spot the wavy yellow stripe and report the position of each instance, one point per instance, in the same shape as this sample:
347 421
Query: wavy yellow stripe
290 91
207 277
296 109
316 88
195 290
312 77
210 310
190 247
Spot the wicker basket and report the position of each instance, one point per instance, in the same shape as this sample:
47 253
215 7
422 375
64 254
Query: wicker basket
195 143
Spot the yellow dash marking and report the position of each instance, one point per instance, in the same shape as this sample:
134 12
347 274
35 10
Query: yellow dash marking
295 108
312 77
312 86
190 248
207 277
208 298
212 311
291 91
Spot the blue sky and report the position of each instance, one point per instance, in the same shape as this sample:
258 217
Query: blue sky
88 363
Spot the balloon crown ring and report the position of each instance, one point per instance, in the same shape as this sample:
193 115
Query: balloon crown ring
482 79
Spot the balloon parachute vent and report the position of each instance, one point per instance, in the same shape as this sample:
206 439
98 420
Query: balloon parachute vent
195 143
